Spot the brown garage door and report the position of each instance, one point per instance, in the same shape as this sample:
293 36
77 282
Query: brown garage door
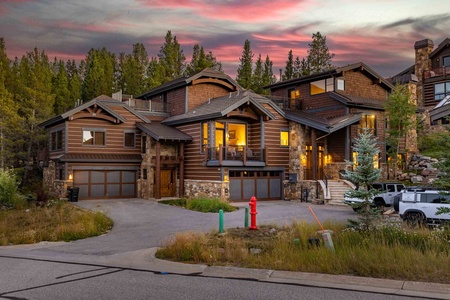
95 184
265 185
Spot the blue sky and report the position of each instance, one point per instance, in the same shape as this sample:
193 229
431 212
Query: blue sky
379 33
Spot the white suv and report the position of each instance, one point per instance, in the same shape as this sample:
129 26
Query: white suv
419 205
386 197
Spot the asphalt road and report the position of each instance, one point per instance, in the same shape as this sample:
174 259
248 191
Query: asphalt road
31 279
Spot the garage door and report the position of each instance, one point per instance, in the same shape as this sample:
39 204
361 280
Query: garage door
264 185
105 184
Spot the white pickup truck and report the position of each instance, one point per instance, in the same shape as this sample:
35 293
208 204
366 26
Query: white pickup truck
385 198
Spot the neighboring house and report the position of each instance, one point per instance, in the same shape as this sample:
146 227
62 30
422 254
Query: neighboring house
431 77
96 147
332 108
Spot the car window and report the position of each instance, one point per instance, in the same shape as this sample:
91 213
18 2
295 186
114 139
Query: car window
390 188
400 187
377 186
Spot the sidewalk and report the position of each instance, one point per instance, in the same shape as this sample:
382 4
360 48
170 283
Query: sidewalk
144 260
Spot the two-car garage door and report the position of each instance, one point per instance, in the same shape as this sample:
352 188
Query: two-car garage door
265 185
102 184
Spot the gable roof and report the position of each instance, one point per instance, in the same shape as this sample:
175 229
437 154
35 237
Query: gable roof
185 80
334 73
441 46
321 123
221 106
102 101
160 131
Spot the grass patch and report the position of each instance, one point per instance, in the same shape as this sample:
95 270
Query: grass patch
61 221
202 204
387 251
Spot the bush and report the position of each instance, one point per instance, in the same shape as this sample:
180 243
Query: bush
434 144
209 205
9 195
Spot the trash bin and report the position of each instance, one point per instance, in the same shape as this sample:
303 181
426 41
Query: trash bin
72 194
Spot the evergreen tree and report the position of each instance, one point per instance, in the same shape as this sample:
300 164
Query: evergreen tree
75 83
268 77
319 57
244 71
213 63
364 175
304 69
257 81
443 181
155 73
200 61
297 68
99 74
171 58
289 69
400 112
60 87
133 71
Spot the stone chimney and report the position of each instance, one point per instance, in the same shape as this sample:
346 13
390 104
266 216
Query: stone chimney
423 49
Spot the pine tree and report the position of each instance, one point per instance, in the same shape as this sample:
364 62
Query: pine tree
200 61
400 112
289 69
245 68
297 68
319 57
171 58
304 68
60 87
155 73
268 77
75 83
257 81
364 175
133 71
213 63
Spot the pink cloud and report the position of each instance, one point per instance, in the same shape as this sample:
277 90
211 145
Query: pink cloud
4 10
240 11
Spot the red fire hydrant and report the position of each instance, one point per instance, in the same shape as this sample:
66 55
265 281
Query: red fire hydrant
253 213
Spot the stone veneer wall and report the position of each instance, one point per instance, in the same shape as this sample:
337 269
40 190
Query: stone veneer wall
199 188
292 190
333 170
56 187
422 63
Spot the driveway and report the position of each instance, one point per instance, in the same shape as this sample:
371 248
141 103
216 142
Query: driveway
142 224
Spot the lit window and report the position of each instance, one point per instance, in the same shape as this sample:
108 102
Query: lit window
204 137
368 122
56 142
375 160
321 86
93 138
129 139
284 137
294 94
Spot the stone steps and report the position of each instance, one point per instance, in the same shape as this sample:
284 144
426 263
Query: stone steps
337 190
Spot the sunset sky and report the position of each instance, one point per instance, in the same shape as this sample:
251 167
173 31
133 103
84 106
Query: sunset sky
379 33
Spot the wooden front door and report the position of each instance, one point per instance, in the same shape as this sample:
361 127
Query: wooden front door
167 183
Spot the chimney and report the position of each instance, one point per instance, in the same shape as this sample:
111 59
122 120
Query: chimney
423 49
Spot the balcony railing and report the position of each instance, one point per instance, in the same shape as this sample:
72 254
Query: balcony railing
287 103
231 154
148 105
437 72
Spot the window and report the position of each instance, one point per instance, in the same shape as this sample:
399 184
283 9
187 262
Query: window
294 94
446 61
284 137
340 84
368 122
143 143
129 140
375 159
56 142
321 86
441 90
94 137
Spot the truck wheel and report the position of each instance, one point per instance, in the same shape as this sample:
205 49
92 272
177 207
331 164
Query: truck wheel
379 202
415 219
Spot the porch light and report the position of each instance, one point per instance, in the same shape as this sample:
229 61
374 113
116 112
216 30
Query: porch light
225 178
70 177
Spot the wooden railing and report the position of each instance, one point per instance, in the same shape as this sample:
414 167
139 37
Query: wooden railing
235 153
437 72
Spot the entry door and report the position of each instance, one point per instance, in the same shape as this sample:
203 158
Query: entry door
167 183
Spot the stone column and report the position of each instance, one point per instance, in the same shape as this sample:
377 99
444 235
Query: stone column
423 49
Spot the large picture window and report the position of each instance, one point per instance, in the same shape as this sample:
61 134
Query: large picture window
441 90
321 86
56 142
129 138
93 137
284 137
368 122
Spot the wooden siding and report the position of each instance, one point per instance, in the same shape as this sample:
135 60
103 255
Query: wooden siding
194 167
276 154
200 93
428 90
437 59
114 134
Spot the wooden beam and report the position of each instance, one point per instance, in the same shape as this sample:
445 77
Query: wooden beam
158 171
181 178
314 153
89 115
214 81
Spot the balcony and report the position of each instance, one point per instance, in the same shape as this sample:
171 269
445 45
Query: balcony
235 156
287 103
148 105
437 72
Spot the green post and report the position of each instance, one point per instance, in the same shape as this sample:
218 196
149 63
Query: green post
246 218
221 221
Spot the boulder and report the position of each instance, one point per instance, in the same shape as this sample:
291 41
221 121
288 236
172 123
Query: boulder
416 179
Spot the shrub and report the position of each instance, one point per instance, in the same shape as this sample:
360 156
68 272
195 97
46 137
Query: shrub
209 205
9 195
434 144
